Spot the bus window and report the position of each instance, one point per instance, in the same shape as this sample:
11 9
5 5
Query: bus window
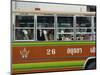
65 28
83 21
45 28
83 28
24 28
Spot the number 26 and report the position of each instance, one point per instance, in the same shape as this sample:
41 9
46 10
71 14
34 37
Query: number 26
51 51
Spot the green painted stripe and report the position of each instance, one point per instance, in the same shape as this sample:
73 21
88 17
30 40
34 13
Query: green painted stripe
80 67
47 65
49 43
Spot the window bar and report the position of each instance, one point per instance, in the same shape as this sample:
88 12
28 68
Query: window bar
13 25
35 27
55 27
92 26
74 25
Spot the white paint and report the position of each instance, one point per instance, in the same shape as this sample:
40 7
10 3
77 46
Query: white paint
24 53
93 50
48 7
72 51
50 51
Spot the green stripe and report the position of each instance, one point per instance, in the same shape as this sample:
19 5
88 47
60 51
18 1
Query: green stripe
80 67
47 65
49 43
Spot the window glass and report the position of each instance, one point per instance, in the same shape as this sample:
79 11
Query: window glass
24 34
65 21
45 21
83 21
24 28
45 28
45 34
84 28
24 21
65 30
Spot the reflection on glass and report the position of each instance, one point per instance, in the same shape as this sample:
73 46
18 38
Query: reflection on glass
83 21
83 30
62 31
45 21
24 21
65 21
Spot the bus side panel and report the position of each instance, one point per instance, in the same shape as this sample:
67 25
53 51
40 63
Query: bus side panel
50 58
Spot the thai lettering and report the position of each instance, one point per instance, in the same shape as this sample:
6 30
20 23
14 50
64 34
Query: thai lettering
73 51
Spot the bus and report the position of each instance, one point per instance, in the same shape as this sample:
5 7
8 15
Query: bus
51 37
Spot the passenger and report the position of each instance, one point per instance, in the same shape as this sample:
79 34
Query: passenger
50 35
40 37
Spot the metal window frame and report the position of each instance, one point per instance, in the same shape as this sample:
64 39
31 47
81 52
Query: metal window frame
45 27
20 14
55 26
92 27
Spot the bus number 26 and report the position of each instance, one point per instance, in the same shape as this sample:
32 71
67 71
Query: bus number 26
50 51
